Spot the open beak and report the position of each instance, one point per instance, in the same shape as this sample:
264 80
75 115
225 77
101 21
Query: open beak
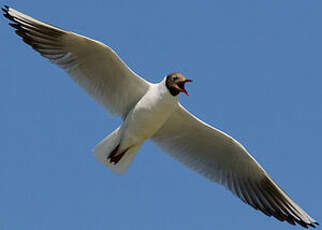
182 88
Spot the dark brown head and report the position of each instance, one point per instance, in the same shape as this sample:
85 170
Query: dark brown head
175 83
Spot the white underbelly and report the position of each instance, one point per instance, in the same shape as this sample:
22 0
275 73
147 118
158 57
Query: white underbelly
145 120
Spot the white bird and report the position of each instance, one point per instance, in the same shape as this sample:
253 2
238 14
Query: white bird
153 111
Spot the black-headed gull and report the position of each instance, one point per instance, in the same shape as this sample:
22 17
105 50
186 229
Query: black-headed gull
153 111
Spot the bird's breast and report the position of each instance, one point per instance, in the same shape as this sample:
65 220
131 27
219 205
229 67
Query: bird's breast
148 116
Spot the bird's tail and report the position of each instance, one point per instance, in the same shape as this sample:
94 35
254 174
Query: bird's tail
107 153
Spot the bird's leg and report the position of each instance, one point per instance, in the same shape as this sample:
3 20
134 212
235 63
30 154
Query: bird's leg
115 157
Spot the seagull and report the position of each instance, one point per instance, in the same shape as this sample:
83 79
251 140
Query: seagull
152 111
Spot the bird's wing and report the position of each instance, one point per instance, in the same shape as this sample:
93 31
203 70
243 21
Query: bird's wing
222 159
91 64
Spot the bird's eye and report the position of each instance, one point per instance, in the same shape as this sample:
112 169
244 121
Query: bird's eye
175 78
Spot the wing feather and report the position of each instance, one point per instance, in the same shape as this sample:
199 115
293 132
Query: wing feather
222 159
91 64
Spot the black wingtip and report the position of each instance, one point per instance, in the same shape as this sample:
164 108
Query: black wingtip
314 224
5 8
16 26
6 13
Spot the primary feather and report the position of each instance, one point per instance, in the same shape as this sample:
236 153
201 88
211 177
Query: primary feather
222 159
92 65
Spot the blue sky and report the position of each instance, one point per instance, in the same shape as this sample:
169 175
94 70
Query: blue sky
256 67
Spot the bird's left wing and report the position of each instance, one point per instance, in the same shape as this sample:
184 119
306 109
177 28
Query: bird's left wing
222 159
92 65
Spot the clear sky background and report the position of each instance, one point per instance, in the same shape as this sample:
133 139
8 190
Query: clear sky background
257 74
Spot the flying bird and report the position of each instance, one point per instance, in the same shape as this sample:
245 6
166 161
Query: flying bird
153 111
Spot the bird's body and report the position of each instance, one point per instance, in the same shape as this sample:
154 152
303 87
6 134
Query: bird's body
142 122
153 111
149 114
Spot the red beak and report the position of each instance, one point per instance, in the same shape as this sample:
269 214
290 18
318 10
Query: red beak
182 86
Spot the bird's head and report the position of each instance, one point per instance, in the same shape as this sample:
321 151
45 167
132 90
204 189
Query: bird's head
175 82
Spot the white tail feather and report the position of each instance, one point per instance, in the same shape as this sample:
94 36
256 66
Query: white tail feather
107 145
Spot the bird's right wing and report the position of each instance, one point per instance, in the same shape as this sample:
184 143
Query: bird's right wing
222 159
91 64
